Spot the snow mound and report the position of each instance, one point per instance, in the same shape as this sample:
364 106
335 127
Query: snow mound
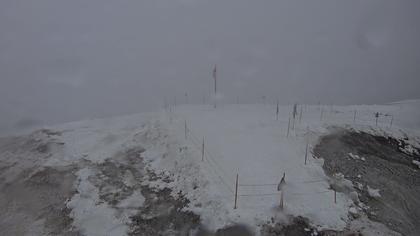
374 193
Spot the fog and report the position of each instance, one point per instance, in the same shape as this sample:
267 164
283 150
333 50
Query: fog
64 60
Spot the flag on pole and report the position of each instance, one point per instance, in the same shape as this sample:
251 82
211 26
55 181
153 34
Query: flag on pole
215 79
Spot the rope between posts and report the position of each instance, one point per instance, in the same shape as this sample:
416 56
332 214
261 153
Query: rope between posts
257 185
256 195
216 166
195 141
210 155
273 194
297 194
214 169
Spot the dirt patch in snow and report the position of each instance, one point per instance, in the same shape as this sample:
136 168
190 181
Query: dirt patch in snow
35 202
299 226
382 173
162 214
32 197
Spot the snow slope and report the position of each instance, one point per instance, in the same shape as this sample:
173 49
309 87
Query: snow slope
248 140
243 140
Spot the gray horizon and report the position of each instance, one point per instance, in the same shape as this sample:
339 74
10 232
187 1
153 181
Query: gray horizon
63 60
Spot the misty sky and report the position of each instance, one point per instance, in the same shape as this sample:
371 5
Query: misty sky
63 60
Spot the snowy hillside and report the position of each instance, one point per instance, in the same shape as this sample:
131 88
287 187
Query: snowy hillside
245 142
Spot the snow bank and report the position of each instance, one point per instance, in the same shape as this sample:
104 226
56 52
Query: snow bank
373 192
417 163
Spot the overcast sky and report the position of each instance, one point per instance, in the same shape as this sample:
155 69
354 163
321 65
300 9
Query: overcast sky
63 60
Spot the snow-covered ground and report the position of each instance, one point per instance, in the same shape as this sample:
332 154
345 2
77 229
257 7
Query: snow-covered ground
249 141
239 140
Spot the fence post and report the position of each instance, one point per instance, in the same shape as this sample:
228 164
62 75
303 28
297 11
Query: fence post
202 151
236 191
288 128
335 196
306 153
300 115
281 200
277 111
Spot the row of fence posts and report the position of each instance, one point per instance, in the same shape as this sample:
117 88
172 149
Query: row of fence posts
171 107
236 195
282 182
291 122
280 186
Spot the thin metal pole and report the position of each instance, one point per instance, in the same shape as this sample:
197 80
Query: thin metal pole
236 191
300 114
215 79
202 151
281 200
215 85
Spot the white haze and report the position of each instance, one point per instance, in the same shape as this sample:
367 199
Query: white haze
64 60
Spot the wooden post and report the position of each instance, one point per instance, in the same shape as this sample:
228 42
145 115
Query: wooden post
377 116
281 200
335 196
186 130
277 110
236 191
202 151
306 153
288 128
300 114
